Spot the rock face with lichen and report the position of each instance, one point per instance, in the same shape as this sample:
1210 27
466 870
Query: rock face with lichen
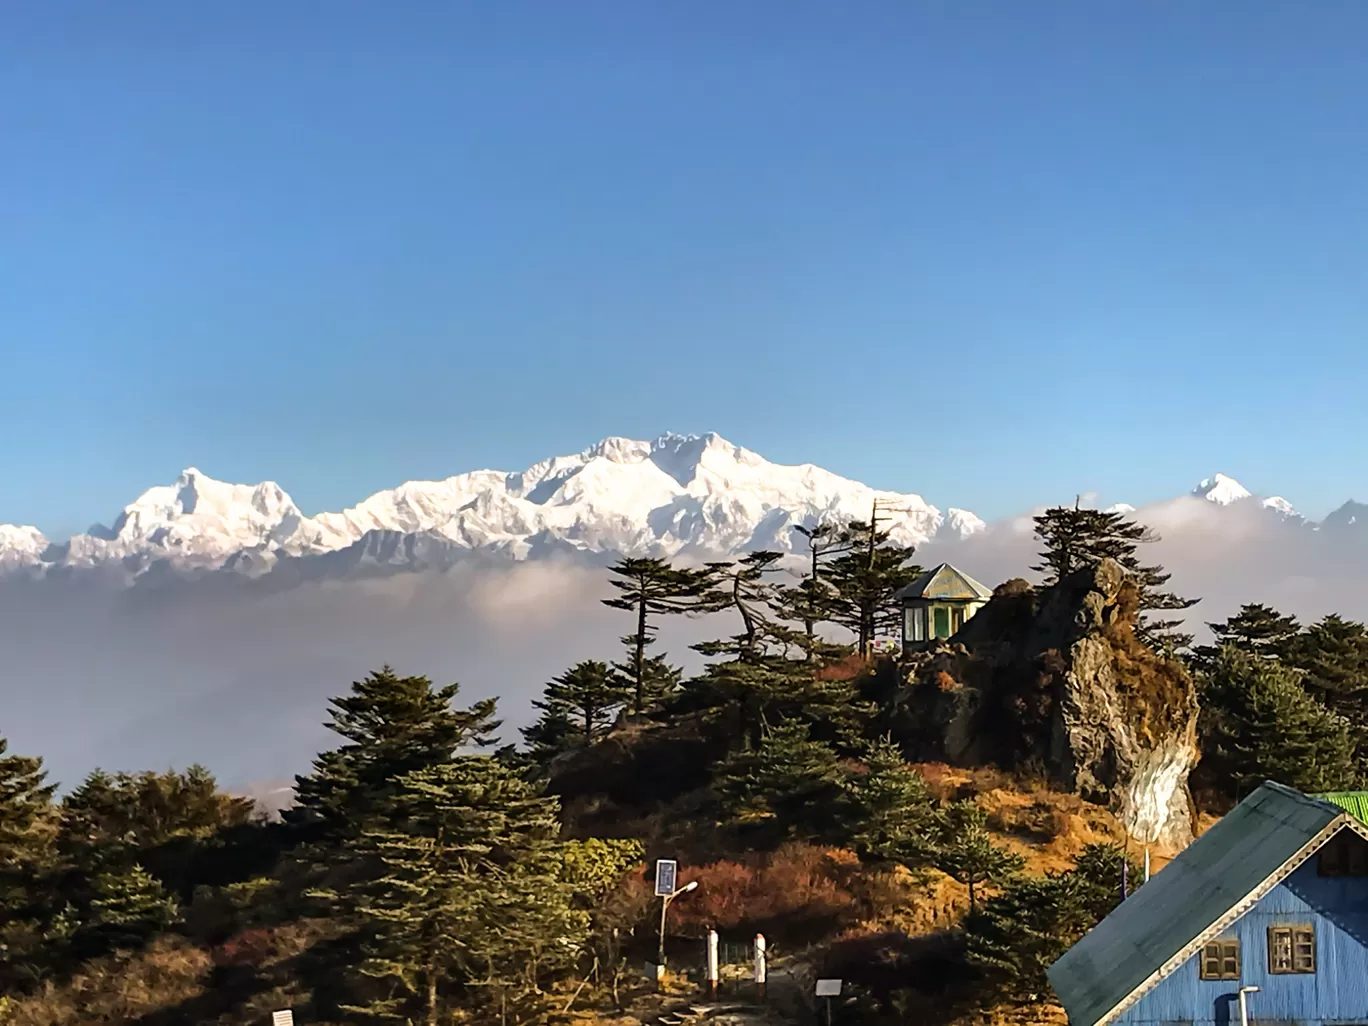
1054 680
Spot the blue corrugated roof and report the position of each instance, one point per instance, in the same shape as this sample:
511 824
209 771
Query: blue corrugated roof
1206 882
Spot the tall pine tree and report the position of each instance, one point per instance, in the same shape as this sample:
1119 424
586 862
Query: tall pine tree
865 578
649 588
1074 538
25 809
1333 654
791 787
891 812
968 854
392 725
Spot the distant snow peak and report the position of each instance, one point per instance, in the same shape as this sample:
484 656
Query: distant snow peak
1120 507
1221 490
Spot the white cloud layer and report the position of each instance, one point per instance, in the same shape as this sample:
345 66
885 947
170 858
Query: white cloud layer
237 679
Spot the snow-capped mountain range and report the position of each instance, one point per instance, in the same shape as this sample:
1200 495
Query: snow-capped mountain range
677 495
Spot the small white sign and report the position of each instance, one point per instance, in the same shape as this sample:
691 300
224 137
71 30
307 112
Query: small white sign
282 1018
828 988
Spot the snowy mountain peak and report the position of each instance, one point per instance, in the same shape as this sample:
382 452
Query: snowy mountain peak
1221 490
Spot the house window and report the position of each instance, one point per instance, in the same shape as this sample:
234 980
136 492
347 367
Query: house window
956 620
1345 854
1221 960
1291 949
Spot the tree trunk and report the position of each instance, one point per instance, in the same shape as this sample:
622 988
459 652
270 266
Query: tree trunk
641 654
431 998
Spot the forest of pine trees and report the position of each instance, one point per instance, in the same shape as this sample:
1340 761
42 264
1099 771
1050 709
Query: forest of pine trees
425 877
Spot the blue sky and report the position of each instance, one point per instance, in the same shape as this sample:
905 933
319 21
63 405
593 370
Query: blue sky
997 253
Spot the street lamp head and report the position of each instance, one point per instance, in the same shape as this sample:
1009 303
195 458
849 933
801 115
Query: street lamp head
1249 990
688 886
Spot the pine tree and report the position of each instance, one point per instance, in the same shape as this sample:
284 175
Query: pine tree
1015 935
745 586
1259 724
589 693
812 601
392 725
129 907
652 587
1333 654
892 813
967 853
1075 538
1256 629
792 786
865 579
470 895
25 806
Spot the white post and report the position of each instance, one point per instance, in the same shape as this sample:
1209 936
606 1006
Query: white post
1244 1012
1147 865
712 963
760 966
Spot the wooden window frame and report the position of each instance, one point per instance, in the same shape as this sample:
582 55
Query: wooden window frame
1301 949
1220 953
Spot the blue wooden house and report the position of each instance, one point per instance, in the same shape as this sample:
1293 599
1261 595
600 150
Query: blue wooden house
1265 915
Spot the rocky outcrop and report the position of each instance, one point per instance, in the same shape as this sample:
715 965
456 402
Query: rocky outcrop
1055 680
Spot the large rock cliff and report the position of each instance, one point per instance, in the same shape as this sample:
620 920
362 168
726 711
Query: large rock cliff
1054 680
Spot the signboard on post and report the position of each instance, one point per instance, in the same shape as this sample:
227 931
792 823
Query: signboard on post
665 877
828 988
282 1018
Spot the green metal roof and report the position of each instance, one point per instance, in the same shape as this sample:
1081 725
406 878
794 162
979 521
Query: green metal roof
948 584
1353 802
1210 879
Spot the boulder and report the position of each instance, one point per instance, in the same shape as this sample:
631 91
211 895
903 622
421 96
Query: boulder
1055 680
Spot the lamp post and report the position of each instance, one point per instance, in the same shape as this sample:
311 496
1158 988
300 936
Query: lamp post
664 907
1244 1012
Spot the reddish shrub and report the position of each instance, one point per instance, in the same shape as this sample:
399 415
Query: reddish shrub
795 893
251 947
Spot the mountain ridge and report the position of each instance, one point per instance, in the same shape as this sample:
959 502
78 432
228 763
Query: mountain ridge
675 495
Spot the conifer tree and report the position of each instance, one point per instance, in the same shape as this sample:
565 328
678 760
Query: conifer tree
892 813
1260 724
469 896
1256 629
129 907
648 588
745 586
791 786
1015 935
865 578
967 853
589 693
25 805
1075 538
392 725
811 602
1333 654
113 817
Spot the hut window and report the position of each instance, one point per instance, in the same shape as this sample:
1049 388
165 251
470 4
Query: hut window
956 620
1291 949
1345 854
914 624
1221 960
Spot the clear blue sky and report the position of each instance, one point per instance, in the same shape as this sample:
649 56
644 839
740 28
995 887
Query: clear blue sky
996 253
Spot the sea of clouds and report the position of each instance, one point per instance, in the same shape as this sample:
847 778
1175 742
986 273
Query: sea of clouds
238 677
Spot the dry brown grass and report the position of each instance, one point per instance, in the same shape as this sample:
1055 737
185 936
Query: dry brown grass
120 989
